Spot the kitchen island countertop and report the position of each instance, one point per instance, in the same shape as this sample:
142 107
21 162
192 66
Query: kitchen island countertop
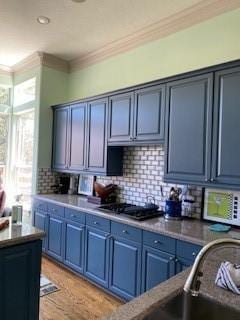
19 233
139 307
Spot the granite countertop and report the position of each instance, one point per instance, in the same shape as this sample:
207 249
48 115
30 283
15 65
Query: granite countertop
159 295
194 231
19 233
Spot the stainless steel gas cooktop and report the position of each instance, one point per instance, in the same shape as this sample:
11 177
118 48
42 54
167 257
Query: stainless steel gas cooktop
132 211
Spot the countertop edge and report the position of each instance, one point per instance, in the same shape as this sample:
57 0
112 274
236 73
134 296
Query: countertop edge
123 219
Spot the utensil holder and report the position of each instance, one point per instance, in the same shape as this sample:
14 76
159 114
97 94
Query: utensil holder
173 210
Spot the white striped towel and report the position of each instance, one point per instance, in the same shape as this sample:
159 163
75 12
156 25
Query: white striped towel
228 277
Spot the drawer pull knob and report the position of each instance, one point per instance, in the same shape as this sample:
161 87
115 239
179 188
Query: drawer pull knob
95 222
73 216
171 258
125 231
176 260
194 254
156 241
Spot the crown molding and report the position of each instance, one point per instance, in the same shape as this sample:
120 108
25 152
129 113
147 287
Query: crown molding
53 62
204 10
5 71
40 59
28 63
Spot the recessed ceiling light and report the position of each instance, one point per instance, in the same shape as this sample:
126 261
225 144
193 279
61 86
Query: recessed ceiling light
43 20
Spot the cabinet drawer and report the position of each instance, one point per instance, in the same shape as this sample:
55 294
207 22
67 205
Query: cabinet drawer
56 210
98 222
187 250
40 205
159 241
75 215
127 232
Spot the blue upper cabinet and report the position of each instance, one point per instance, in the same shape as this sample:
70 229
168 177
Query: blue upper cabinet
226 154
120 126
149 114
202 130
80 140
137 116
97 149
77 136
60 138
188 129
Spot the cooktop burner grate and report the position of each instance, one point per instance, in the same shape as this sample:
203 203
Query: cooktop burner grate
132 211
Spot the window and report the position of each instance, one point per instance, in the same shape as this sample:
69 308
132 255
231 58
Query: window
24 92
4 128
23 156
4 95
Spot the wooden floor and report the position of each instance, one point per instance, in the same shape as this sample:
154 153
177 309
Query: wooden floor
78 299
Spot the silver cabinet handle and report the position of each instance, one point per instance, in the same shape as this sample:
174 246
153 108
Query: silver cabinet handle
212 179
125 231
171 258
95 222
156 242
73 216
176 260
194 254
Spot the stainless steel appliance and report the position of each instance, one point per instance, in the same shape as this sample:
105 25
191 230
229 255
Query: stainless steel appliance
132 211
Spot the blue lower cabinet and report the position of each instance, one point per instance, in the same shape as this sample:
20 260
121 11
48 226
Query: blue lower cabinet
55 237
182 264
20 281
41 222
158 266
125 268
97 256
74 246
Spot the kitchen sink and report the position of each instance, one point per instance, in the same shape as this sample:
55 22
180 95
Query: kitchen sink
186 307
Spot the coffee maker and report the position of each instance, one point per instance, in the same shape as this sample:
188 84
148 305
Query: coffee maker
63 185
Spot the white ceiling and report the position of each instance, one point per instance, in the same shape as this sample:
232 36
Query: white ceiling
76 28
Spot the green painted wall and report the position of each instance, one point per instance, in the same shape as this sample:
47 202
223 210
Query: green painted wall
211 42
54 90
6 80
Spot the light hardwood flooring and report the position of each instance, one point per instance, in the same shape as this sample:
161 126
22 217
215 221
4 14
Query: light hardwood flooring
77 299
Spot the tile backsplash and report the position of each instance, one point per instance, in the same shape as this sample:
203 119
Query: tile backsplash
143 169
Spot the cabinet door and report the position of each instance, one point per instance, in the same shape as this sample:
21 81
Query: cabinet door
149 114
189 127
158 266
226 154
182 264
20 281
41 222
97 147
74 246
55 238
77 136
125 268
60 138
120 118
97 256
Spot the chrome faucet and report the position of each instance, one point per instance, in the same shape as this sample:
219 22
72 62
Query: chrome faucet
193 282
